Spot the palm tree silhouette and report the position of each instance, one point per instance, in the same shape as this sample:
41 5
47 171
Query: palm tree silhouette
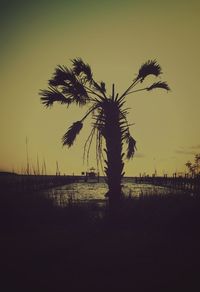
110 127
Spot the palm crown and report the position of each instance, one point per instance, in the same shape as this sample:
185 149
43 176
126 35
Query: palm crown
109 116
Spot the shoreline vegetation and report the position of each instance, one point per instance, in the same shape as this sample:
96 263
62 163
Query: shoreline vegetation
152 245
31 182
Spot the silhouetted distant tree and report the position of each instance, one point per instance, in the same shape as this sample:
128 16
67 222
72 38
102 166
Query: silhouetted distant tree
110 127
194 168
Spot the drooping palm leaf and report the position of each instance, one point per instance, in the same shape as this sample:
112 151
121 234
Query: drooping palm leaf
151 67
159 84
48 97
89 143
70 136
131 145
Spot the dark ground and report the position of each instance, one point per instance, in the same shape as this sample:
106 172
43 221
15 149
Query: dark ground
153 245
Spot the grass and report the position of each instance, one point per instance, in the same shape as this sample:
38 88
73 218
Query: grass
152 246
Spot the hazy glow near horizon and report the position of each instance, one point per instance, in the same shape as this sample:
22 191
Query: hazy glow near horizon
115 39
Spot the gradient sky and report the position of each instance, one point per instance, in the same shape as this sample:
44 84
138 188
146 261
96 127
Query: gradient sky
115 38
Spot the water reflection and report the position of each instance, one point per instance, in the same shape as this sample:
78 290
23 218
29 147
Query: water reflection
93 191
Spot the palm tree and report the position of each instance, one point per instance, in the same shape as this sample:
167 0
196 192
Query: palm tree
110 127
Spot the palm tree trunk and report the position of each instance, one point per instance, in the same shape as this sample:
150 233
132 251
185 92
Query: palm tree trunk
114 164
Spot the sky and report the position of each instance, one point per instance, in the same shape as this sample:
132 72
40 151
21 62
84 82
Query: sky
115 38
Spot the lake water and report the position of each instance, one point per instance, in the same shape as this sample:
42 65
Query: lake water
95 192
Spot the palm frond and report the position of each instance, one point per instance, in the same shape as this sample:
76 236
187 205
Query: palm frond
70 136
99 121
79 67
131 145
76 90
99 87
62 76
151 67
103 86
159 84
48 97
